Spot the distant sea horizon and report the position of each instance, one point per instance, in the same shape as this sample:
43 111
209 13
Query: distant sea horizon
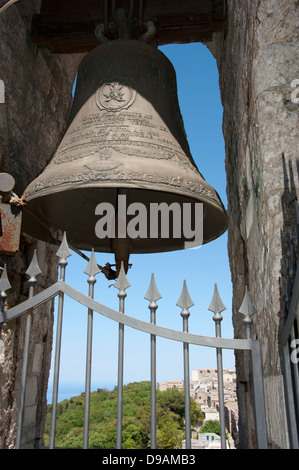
69 390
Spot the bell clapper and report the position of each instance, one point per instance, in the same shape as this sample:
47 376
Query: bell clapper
122 244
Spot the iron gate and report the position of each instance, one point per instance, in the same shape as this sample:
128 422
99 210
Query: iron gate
61 289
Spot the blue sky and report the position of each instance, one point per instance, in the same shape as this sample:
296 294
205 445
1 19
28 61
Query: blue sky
200 105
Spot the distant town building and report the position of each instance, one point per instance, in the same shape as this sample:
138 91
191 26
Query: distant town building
169 384
210 414
208 440
204 390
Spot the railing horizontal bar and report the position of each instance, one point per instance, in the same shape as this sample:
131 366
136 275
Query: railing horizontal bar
34 302
61 286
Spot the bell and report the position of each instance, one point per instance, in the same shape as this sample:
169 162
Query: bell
125 138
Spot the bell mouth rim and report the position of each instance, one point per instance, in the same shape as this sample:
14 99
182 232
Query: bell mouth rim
80 242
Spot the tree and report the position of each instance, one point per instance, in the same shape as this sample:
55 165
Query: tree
136 430
211 426
169 434
174 400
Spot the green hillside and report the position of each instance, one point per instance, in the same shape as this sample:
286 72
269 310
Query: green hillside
136 419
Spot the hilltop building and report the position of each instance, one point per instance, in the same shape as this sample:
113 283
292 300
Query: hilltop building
204 390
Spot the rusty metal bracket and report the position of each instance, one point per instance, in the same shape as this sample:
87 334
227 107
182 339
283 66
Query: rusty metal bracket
10 216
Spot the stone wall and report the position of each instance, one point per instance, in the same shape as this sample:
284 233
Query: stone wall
38 95
258 59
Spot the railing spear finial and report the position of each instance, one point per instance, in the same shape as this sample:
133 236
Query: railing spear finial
33 271
92 269
152 294
122 282
185 302
4 286
4 282
247 309
63 253
216 306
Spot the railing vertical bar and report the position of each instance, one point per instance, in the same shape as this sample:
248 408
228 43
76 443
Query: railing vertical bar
2 301
187 394
91 269
56 371
121 284
62 253
153 387
32 271
120 383
88 379
23 380
185 302
4 286
220 386
221 397
248 310
259 399
217 307
153 295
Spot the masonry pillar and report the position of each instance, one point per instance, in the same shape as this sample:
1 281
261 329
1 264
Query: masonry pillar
36 100
258 59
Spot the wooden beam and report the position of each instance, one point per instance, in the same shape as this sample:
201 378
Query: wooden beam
67 26
151 8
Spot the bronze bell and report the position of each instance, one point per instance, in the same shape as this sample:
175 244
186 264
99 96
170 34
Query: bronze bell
125 136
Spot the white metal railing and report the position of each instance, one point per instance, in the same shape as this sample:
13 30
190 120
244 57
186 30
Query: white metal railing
61 289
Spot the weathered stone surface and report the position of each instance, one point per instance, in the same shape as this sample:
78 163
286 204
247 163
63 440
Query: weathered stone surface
258 60
38 96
